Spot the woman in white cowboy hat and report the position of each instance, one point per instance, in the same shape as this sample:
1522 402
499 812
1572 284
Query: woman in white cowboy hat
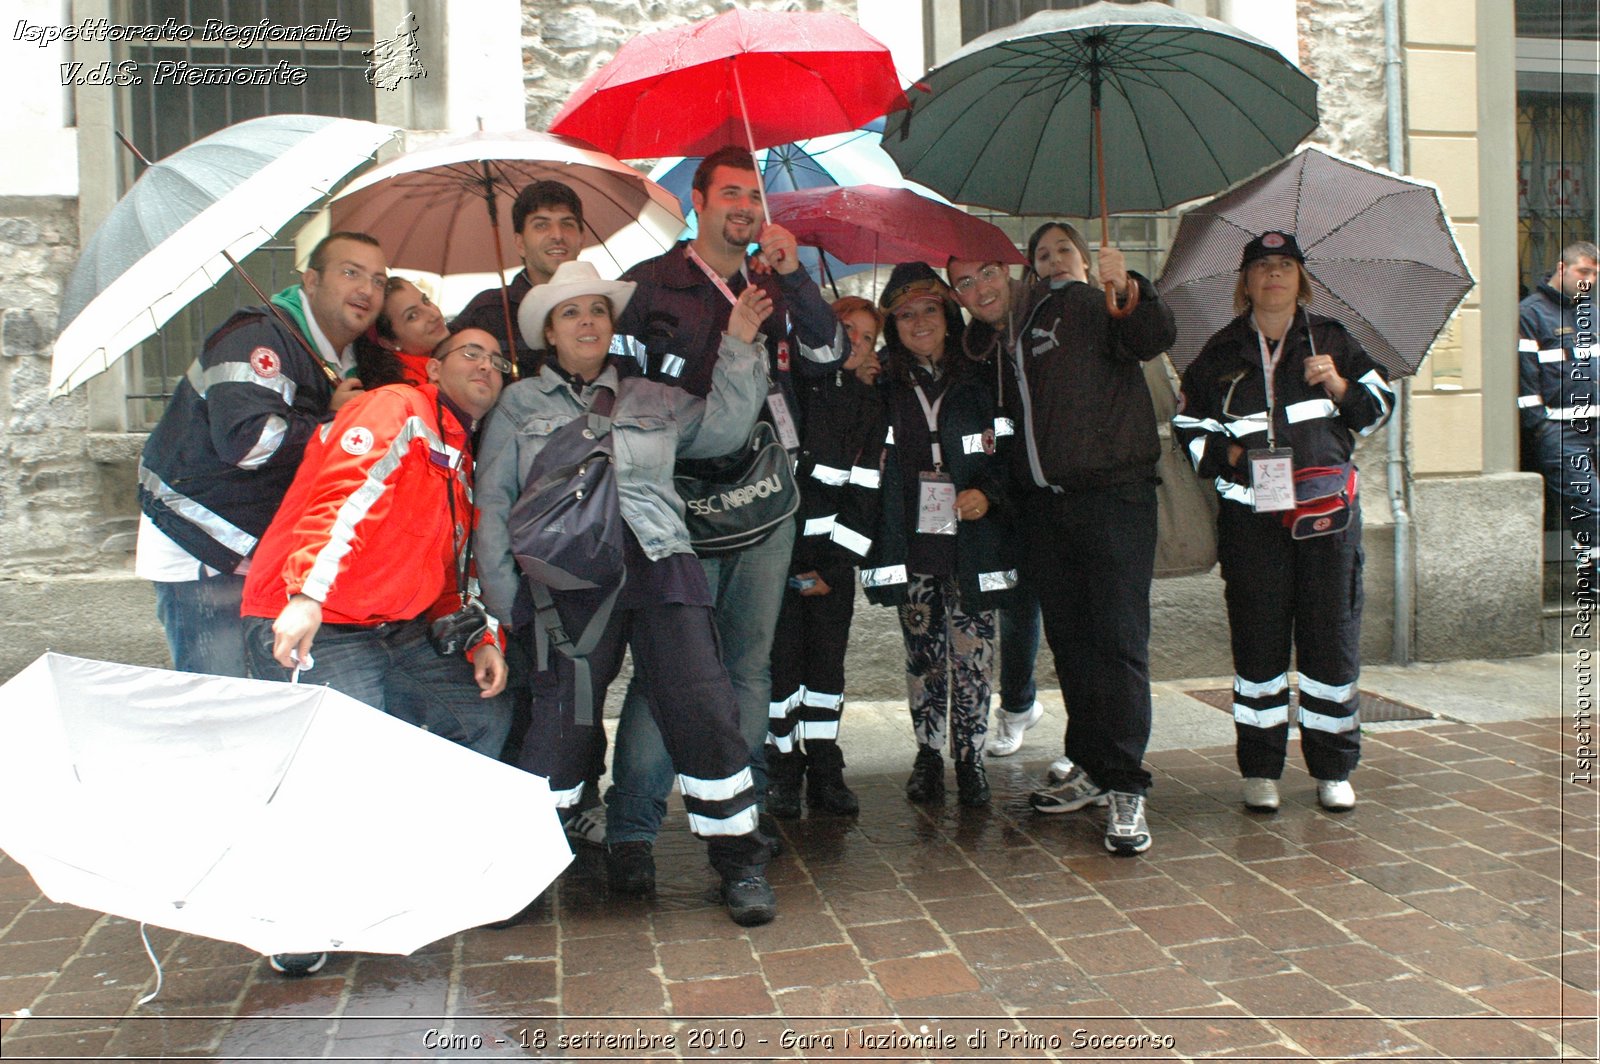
664 609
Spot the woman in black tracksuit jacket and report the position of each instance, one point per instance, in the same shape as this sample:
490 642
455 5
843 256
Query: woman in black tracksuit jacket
1288 581
948 582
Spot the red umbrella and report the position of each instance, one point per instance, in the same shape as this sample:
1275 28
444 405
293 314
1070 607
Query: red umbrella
870 223
757 78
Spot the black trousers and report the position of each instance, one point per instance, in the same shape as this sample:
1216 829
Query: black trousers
1304 595
808 662
1090 559
692 702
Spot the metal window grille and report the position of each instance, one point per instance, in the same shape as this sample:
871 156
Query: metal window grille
160 119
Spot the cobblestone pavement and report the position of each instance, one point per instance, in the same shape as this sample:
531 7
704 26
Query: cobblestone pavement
1450 916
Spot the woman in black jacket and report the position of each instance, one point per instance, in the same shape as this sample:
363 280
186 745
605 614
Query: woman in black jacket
941 553
1280 377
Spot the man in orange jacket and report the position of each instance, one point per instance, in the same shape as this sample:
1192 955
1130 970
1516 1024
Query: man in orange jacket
370 547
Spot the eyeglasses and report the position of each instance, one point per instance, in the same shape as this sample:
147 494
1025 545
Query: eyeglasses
371 280
475 354
988 274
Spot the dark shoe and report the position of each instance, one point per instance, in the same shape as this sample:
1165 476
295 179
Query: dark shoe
784 772
927 776
972 783
631 869
297 965
825 789
750 900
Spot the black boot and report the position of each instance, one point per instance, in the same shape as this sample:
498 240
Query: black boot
784 772
927 776
825 787
972 783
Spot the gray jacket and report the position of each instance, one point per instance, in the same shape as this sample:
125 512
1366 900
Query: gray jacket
652 425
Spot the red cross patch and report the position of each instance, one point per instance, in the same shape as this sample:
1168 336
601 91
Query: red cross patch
356 441
265 361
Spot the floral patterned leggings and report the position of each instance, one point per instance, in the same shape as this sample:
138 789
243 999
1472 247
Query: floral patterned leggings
950 657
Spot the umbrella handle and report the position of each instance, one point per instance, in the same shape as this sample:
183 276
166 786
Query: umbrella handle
1125 309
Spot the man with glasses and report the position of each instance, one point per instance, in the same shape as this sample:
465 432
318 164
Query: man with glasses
370 548
219 462
362 582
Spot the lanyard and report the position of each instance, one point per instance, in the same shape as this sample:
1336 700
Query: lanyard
931 412
712 275
1269 369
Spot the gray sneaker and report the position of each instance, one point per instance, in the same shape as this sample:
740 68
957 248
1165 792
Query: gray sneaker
1066 794
1126 830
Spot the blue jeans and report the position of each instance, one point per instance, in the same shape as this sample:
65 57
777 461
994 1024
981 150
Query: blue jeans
748 591
204 630
1019 649
394 668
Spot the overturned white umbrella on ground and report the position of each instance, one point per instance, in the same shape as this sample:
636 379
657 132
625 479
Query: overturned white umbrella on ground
285 817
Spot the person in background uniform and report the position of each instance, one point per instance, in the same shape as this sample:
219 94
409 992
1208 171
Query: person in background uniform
1556 356
218 463
364 554
993 298
842 418
942 553
1278 376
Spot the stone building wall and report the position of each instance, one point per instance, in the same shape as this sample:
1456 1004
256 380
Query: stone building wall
56 507
1341 48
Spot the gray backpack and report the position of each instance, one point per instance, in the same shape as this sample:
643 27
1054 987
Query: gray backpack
567 535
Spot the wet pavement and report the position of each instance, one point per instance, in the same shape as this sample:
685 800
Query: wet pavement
1450 916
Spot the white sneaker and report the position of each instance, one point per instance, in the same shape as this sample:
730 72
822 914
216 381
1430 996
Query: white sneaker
1261 793
1336 795
1006 739
1127 833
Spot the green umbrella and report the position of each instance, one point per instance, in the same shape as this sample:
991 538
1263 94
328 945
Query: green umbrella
1013 121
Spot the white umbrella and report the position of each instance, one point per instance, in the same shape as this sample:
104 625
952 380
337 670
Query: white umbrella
287 818
187 219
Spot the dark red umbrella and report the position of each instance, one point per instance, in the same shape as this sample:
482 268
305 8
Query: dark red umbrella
870 223
757 78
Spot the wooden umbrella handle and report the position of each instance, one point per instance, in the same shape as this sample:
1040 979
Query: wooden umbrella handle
1111 299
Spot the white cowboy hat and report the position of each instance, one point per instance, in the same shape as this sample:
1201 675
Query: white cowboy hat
571 280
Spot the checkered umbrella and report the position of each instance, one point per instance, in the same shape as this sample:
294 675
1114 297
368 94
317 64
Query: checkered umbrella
1379 250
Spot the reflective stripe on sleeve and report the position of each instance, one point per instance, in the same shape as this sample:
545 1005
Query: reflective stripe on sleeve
831 476
862 477
884 576
818 526
223 531
998 580
850 540
203 380
267 444
1297 412
1552 354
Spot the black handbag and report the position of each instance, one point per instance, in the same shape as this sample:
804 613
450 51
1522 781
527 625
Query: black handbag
740 499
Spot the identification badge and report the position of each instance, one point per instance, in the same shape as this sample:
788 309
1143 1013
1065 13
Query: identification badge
1272 479
783 421
936 504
